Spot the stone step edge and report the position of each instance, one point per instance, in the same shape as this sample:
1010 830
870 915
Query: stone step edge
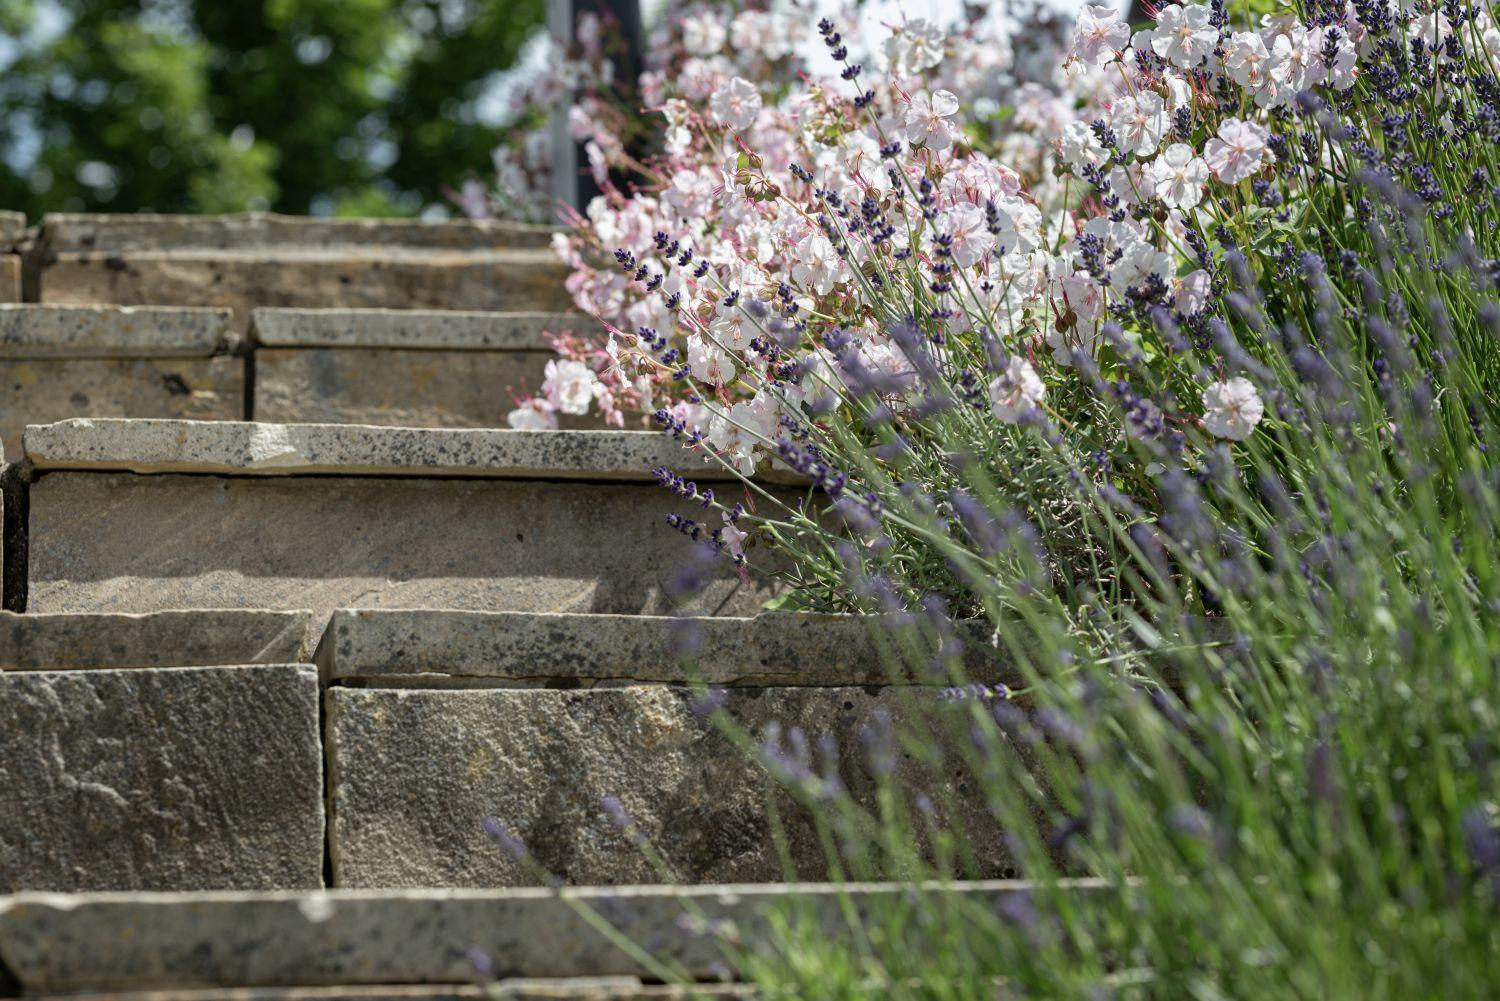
133 941
410 329
618 988
250 448
53 332
210 637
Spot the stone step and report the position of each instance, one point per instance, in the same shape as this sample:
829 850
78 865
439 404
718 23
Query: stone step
12 233
620 988
58 642
394 518
120 942
116 361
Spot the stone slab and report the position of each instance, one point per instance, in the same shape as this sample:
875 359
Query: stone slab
355 277
402 388
32 330
126 543
63 231
40 391
43 642
413 775
10 278
411 329
619 988
772 648
188 778
260 449
57 942
12 229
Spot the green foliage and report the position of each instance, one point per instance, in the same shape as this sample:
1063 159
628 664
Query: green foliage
292 105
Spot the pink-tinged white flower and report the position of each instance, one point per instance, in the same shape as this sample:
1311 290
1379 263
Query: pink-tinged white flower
1139 121
736 104
913 47
708 362
1018 225
818 266
1099 35
1016 391
1232 408
1185 36
736 433
1239 150
972 241
1079 147
532 415
1247 59
732 327
703 34
732 537
926 120
569 386
1178 176
1192 294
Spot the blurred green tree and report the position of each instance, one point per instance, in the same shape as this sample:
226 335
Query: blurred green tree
359 106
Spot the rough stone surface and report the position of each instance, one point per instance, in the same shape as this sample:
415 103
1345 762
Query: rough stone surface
773 648
124 543
395 387
63 231
30 330
412 329
12 229
143 941
413 774
10 278
160 779
355 277
39 391
252 448
41 642
618 988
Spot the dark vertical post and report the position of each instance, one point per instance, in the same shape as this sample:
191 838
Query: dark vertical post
571 181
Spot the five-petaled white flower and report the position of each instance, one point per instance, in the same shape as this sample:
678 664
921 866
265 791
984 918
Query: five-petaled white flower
1016 390
1177 176
569 386
926 120
1232 408
1099 35
1184 36
1238 151
1139 122
971 239
736 104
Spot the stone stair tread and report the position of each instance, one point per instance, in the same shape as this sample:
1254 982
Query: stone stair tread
444 330
65 231
33 330
509 989
768 649
245 448
12 230
52 641
334 254
140 941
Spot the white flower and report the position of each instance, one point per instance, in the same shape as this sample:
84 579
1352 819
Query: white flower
569 386
1080 147
732 327
1192 296
1016 391
972 241
734 433
1246 58
914 47
1139 122
1177 176
1231 409
708 362
1184 36
533 415
1099 35
1238 151
926 120
733 538
818 264
736 104
703 35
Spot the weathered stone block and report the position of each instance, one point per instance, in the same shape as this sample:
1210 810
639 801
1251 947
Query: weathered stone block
772 648
10 278
350 277
81 231
144 941
40 391
12 230
411 329
124 543
413 774
252 448
160 779
42 642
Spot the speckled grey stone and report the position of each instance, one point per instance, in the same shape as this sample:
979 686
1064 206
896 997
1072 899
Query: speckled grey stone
63 231
350 277
38 391
30 330
188 778
413 329
413 774
10 278
142 941
126 543
253 448
617 988
12 229
398 387
43 642
773 648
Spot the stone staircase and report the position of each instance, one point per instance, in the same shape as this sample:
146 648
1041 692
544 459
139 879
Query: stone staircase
288 619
